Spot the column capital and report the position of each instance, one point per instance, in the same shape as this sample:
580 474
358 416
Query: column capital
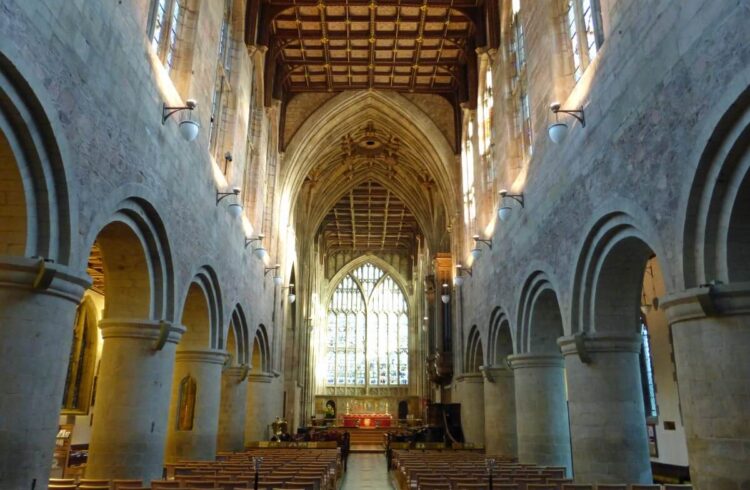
530 360
582 345
469 378
127 328
35 274
208 356
491 373
260 378
707 300
237 373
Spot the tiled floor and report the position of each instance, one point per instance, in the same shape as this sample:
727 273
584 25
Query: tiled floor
367 471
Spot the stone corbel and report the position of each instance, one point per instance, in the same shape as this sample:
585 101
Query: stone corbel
44 275
580 342
245 371
164 329
486 373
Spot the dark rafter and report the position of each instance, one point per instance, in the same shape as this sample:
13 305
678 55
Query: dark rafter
419 46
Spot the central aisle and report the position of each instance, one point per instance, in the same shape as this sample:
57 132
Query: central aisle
367 471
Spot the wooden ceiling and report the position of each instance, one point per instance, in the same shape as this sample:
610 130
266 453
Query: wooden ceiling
425 46
370 218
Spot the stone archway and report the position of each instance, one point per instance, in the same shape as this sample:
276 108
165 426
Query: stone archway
194 416
233 386
541 406
131 265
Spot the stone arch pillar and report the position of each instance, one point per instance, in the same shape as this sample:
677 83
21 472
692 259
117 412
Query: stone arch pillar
499 390
196 384
234 388
541 405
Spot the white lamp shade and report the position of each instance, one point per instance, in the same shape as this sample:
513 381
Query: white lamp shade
292 297
278 280
235 210
458 280
189 129
445 298
476 252
504 213
557 132
260 253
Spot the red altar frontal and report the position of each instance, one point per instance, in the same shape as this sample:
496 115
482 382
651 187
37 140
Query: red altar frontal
366 420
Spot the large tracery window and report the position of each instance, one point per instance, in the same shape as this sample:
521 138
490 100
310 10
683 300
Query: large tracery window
368 331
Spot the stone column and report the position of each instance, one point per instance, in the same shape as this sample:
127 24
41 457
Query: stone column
499 411
607 418
199 443
711 334
541 410
259 407
36 331
233 409
471 396
132 399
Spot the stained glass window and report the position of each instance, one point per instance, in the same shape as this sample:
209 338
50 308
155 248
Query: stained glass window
368 331
647 373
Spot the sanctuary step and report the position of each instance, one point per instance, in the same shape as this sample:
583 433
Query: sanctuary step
367 437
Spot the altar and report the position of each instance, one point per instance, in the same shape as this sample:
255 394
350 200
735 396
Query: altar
367 420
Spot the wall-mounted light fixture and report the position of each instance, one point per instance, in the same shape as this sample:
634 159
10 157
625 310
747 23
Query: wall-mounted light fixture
291 296
227 159
458 280
259 251
476 252
559 130
188 127
235 208
277 279
446 296
504 212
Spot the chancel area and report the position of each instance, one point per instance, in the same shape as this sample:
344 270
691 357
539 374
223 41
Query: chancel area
375 244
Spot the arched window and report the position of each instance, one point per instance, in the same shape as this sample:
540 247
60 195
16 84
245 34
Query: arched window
220 102
583 21
467 163
519 83
488 103
647 372
368 331
166 17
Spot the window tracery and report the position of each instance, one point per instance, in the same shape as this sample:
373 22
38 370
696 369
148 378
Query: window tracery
368 331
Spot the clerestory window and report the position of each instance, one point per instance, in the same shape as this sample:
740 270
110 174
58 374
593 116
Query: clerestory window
222 86
368 331
583 22
167 17
519 84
